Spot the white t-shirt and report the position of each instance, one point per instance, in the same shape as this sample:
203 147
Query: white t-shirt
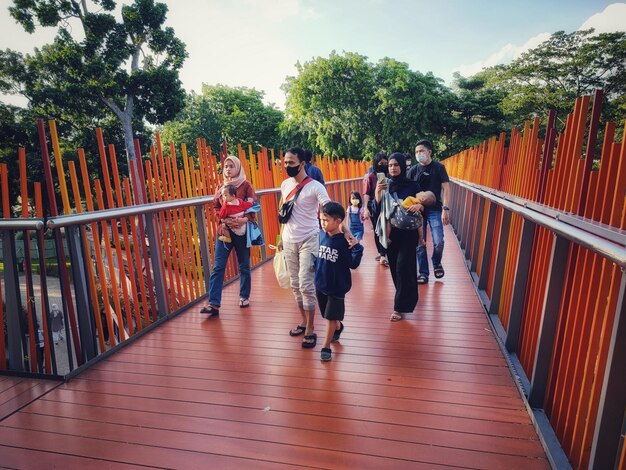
304 218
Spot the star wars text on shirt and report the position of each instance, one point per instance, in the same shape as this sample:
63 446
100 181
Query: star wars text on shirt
328 253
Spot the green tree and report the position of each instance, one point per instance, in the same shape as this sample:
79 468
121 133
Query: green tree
330 103
238 114
344 105
129 66
476 113
566 66
408 105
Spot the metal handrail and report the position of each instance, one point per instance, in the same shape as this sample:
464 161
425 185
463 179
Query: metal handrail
21 224
606 248
140 209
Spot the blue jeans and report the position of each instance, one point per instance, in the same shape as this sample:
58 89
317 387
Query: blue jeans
222 252
432 219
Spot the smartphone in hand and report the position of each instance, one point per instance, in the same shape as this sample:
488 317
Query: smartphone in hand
380 176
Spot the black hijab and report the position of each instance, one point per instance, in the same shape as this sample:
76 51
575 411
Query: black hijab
396 183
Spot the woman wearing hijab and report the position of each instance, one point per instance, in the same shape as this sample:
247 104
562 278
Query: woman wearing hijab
370 210
401 243
233 175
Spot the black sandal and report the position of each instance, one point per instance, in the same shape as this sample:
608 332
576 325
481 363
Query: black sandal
297 331
309 341
211 311
326 355
337 333
439 272
422 279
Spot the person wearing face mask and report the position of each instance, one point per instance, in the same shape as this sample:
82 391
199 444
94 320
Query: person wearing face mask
432 176
370 210
401 243
300 238
355 215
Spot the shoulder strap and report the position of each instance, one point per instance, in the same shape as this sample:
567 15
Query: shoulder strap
295 191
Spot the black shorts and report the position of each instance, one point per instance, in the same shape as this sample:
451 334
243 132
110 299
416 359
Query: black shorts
332 308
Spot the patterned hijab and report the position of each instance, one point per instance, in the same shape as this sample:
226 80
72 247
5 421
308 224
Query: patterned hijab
240 175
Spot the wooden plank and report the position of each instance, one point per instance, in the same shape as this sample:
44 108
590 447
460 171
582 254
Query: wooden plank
324 449
21 392
236 391
27 459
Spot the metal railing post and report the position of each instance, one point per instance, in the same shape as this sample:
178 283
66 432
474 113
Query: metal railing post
606 438
85 317
200 212
503 244
522 271
155 260
13 302
478 226
486 261
549 319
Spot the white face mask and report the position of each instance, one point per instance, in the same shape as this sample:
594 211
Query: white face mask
423 159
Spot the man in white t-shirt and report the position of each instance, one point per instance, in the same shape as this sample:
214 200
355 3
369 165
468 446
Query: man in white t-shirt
300 240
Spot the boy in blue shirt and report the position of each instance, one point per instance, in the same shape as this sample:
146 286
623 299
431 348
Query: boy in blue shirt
332 272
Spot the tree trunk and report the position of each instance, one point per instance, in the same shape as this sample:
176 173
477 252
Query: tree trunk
126 118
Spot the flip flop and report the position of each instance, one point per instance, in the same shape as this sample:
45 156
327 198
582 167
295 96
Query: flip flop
337 333
297 331
309 341
244 303
422 279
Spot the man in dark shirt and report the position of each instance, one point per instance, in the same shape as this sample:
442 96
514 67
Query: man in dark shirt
311 170
432 176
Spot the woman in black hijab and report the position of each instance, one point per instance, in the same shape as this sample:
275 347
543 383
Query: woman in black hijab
401 243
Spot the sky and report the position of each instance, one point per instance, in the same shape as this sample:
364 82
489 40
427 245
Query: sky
256 43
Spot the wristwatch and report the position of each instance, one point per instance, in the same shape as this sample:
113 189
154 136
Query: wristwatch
445 208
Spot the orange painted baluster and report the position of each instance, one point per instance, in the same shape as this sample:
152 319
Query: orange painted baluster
90 268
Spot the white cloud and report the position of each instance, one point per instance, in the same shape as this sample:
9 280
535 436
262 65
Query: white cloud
508 53
612 18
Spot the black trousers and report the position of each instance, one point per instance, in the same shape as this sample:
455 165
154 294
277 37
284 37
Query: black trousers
403 267
382 251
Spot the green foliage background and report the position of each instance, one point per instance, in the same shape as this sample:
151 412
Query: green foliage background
342 105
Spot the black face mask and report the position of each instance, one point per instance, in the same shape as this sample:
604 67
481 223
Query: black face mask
382 169
292 171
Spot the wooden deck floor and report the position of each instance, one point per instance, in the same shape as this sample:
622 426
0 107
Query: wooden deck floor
432 391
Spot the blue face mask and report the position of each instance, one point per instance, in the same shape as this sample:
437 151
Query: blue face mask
423 159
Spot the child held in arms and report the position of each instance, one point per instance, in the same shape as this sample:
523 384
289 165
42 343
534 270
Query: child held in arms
332 272
232 206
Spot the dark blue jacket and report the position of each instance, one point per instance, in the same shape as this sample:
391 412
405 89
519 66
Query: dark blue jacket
335 259
314 172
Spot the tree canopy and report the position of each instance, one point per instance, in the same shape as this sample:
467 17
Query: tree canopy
555 73
126 67
344 105
238 114
120 71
